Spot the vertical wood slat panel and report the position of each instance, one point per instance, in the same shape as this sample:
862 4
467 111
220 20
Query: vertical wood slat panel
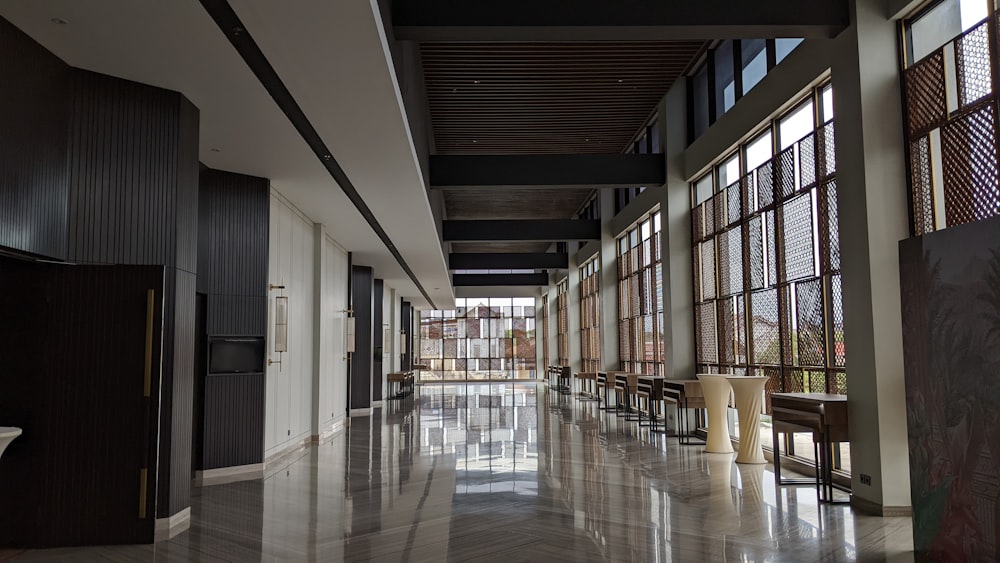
234 420
73 355
233 245
362 283
34 117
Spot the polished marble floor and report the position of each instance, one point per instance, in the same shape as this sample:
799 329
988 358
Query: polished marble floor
509 472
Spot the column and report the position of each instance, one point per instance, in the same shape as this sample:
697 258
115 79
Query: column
610 353
320 332
873 219
675 239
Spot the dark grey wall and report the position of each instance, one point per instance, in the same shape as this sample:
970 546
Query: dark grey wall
406 324
108 177
378 335
34 117
73 351
362 288
234 214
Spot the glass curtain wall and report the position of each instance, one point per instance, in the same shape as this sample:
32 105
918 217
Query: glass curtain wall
590 315
950 80
562 330
481 339
640 298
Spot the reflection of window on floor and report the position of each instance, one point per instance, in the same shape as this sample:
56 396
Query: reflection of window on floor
481 339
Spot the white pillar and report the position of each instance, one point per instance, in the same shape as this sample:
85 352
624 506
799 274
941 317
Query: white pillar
871 180
319 330
610 353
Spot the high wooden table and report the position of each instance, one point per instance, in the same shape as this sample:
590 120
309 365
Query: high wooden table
626 384
748 393
825 416
717 391
403 381
687 394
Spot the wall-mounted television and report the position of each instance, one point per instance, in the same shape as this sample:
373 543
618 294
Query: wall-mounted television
235 354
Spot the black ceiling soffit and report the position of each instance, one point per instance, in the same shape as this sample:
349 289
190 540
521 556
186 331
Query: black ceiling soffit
527 229
616 20
227 20
508 260
547 171
492 280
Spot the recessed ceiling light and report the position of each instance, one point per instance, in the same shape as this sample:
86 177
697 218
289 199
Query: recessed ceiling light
59 21
327 157
588 140
214 150
453 90
620 81
475 141
475 82
436 288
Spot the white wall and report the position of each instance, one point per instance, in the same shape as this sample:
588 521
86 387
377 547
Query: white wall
289 384
307 391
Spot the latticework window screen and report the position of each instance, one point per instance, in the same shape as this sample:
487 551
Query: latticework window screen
766 254
562 330
640 298
481 339
590 315
951 124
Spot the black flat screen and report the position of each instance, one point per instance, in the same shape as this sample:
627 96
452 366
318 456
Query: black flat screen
236 355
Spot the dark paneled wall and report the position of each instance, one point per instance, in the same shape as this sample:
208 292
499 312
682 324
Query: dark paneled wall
362 285
118 187
378 335
34 117
234 215
406 324
73 350
233 424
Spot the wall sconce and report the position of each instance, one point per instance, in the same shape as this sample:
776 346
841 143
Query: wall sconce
402 342
280 324
350 332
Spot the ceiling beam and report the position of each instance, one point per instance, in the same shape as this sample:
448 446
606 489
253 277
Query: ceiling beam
511 260
547 170
521 230
616 20
486 280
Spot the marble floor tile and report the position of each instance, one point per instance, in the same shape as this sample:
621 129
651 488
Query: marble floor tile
507 473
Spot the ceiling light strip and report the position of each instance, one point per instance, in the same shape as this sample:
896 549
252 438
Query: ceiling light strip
233 29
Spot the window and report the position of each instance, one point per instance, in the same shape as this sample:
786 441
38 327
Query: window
730 70
725 79
590 315
481 339
754 62
562 329
640 298
951 114
768 297
783 47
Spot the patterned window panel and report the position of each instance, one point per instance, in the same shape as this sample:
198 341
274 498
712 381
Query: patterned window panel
811 326
971 181
973 68
926 103
797 225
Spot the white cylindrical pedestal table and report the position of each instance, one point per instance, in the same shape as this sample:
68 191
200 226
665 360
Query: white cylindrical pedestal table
716 389
749 396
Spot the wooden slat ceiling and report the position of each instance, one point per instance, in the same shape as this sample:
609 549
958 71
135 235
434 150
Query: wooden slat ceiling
511 203
547 98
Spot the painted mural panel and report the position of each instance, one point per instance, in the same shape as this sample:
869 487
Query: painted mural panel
951 332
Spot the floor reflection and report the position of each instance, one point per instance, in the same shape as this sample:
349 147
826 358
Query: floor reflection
507 471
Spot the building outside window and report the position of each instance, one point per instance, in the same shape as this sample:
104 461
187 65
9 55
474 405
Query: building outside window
481 339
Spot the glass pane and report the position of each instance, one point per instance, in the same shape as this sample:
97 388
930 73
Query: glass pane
754 55
700 100
942 23
729 171
782 47
759 151
703 189
725 83
796 125
827 103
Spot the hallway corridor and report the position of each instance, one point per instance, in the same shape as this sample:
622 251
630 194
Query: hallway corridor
509 472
